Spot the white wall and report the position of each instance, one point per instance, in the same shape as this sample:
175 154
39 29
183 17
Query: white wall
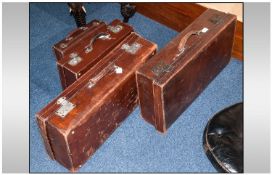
234 8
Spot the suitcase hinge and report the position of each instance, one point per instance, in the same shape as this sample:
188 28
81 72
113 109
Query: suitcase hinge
65 107
132 49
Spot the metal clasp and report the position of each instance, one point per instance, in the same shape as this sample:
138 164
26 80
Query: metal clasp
115 29
65 107
160 68
63 45
75 59
131 48
118 69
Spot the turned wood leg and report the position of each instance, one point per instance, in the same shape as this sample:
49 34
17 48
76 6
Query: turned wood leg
79 13
127 11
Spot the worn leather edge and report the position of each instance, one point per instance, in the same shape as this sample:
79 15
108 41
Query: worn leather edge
42 127
62 76
159 108
67 149
141 103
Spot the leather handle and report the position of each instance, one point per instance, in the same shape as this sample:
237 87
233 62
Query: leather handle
183 40
109 68
163 67
89 47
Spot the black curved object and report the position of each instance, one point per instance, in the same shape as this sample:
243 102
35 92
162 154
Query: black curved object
78 12
223 139
127 11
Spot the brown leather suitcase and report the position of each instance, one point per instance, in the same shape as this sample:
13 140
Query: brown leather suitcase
76 39
83 116
172 79
90 49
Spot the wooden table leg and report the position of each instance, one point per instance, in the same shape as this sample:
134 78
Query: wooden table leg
78 11
127 11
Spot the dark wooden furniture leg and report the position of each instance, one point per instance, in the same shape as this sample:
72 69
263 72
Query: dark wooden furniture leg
78 11
127 11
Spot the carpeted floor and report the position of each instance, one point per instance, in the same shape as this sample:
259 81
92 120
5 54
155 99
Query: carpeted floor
135 146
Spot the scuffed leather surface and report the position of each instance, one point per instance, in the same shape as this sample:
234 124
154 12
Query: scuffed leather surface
223 139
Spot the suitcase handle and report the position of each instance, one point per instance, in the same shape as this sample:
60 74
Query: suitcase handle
163 67
182 43
75 59
101 35
110 68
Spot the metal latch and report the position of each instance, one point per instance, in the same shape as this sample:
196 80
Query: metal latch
115 29
63 45
75 59
131 48
160 68
65 107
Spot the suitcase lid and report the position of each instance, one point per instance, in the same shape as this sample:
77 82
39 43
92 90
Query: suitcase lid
98 44
88 92
186 46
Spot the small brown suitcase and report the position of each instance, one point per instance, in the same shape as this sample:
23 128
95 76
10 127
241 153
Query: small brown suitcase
73 40
90 49
83 116
172 79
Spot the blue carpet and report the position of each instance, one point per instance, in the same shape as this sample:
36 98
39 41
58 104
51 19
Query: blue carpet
135 146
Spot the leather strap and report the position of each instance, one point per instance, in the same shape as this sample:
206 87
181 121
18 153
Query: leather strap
182 43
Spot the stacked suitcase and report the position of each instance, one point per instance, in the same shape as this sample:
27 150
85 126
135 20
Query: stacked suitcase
98 78
104 69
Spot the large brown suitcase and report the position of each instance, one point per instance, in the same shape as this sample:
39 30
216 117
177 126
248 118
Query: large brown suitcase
92 47
172 79
83 116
